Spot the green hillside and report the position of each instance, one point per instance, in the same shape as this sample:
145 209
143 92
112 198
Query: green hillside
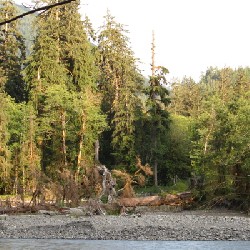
27 27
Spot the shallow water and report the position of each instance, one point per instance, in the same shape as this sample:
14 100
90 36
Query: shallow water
28 244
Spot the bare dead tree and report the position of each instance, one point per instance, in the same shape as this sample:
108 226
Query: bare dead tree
108 183
47 7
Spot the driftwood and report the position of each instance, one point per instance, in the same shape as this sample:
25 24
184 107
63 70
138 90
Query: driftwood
17 210
169 199
108 183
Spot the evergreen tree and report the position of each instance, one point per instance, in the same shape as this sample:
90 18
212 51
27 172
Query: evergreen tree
76 51
5 166
79 57
119 83
158 117
44 71
12 54
62 74
44 67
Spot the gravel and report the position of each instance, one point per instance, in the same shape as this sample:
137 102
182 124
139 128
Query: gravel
193 225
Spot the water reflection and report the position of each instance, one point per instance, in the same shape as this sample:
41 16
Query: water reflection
49 244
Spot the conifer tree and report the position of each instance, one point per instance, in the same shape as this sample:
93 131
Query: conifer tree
158 100
5 166
44 71
119 83
12 54
62 75
44 67
79 57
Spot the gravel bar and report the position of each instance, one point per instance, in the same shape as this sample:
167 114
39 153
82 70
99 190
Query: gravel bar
165 226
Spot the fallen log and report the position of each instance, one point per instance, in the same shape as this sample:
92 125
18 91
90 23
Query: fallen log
168 199
18 210
140 201
22 209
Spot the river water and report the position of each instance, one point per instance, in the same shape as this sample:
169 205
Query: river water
28 244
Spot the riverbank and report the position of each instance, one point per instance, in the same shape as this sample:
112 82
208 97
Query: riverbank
185 225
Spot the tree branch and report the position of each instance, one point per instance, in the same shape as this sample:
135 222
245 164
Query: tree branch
47 7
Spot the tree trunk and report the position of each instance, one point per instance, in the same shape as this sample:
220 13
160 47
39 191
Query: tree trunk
156 173
79 157
16 181
116 87
6 25
153 54
58 35
154 132
32 153
207 140
64 151
39 80
31 142
97 146
168 199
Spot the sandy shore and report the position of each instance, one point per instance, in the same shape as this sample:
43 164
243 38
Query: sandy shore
196 225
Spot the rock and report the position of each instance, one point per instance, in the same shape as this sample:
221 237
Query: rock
76 212
3 216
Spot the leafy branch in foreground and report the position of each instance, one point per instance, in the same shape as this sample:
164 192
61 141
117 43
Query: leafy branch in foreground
47 7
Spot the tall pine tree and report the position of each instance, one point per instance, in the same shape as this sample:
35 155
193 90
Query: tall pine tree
62 75
119 83
12 54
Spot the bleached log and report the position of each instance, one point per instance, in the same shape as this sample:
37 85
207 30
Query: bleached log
169 199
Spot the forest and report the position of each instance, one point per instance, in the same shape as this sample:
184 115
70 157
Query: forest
73 98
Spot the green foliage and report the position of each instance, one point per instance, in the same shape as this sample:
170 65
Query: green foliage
150 190
12 54
76 93
62 73
153 124
177 151
221 139
119 82
186 98
179 187
5 165
19 160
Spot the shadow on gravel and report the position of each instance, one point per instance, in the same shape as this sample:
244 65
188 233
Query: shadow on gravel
79 229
